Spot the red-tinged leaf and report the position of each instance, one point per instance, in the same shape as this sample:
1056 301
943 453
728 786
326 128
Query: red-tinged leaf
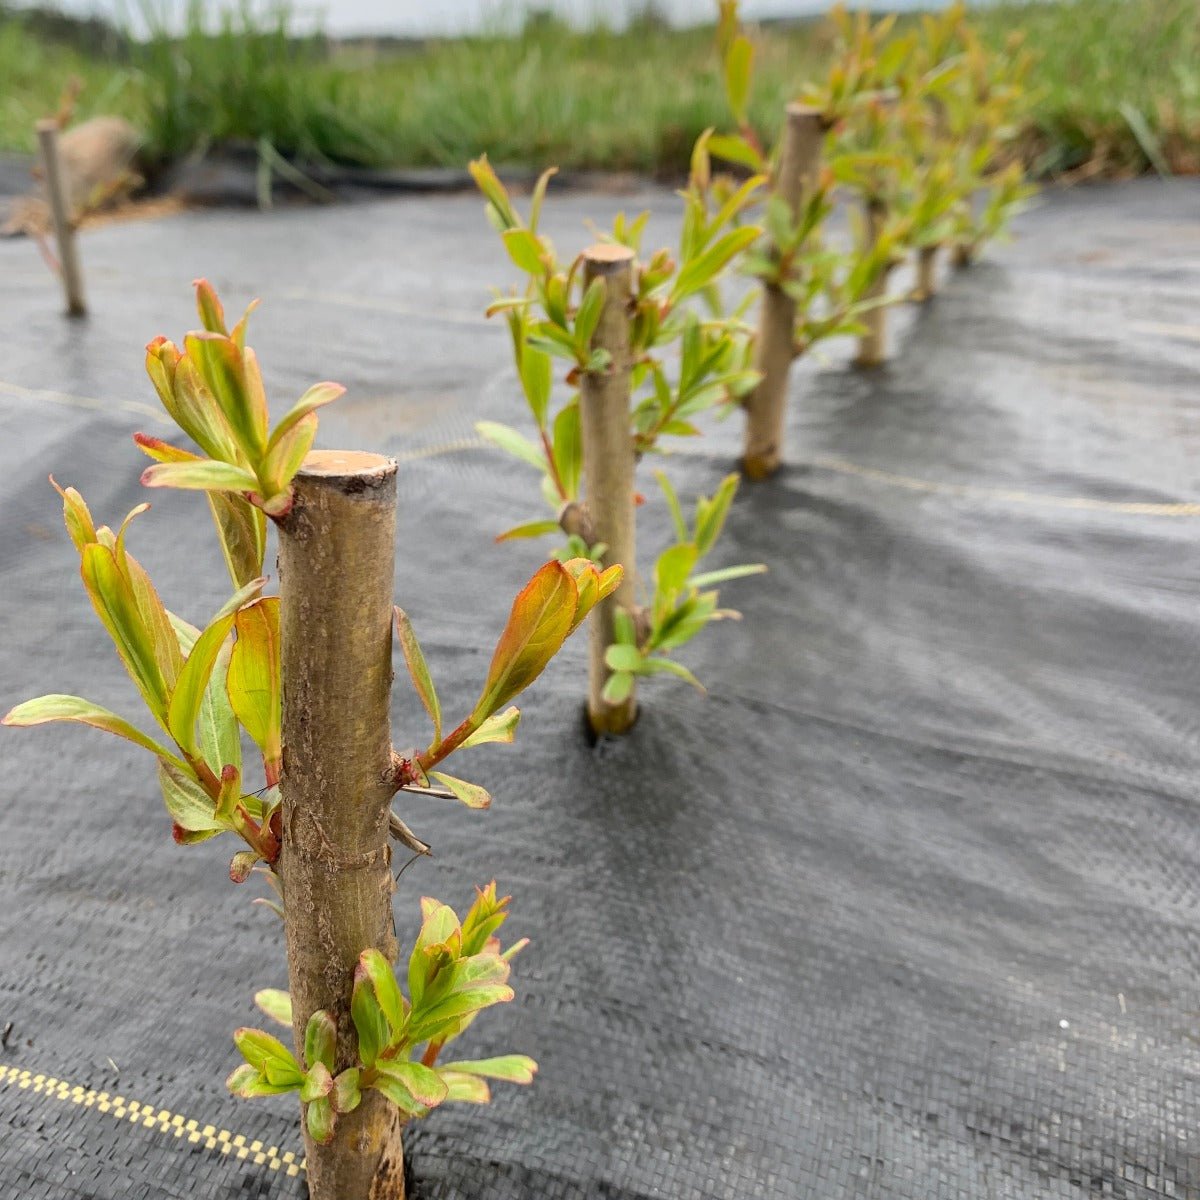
369 1021
471 794
387 992
421 1082
190 807
432 1023
512 1068
320 1043
265 1052
76 516
189 402
253 682
201 476
73 708
162 451
316 396
591 586
346 1095
539 622
247 1083
464 1089
317 1083
230 374
399 1095
117 607
241 865
193 679
320 1119
418 671
212 315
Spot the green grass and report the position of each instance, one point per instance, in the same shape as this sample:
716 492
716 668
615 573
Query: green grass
1118 90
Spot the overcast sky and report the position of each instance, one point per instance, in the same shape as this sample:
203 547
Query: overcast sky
424 17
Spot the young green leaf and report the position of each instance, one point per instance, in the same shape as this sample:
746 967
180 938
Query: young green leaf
512 442
531 529
568 448
379 971
193 679
462 1088
319 1119
116 605
58 707
432 1023
512 1068
536 380
189 806
318 1083
248 1083
369 1021
499 728
738 61
220 738
204 475
471 794
268 1055
623 658
253 682
418 671
618 687
320 1043
421 1082
318 395
346 1095
275 1004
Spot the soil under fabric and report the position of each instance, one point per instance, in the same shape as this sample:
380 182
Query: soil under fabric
905 908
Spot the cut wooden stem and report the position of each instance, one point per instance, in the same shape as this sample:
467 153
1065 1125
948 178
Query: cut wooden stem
872 345
608 467
60 212
926 273
336 558
964 254
774 349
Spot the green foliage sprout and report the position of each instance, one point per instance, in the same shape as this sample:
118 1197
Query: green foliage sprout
204 687
685 362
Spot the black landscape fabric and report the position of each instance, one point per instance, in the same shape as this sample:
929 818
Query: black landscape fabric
906 907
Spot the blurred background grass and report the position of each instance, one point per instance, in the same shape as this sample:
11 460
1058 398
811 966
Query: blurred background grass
1118 87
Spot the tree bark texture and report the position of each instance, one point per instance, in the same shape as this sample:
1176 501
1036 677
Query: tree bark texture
336 559
766 406
608 470
60 212
872 345
927 272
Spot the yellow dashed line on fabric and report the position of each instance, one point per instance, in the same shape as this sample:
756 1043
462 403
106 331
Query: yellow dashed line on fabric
146 1115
